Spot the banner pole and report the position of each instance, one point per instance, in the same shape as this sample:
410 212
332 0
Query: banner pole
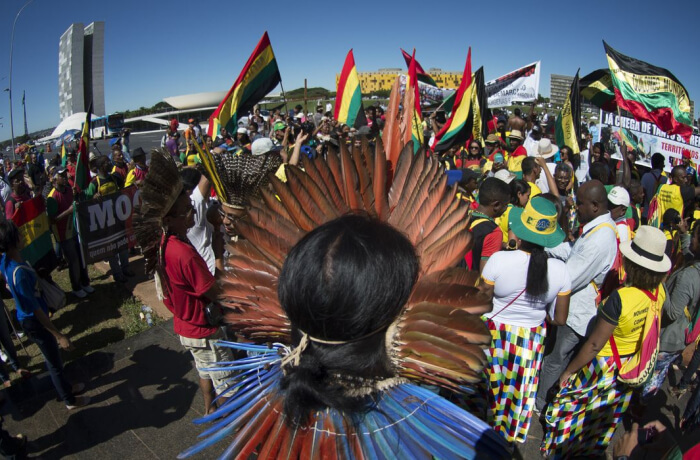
284 97
80 238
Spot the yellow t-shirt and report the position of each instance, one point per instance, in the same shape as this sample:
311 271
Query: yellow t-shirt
503 223
627 309
669 197
534 190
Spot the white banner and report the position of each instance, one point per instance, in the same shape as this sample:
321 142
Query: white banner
647 139
429 94
522 85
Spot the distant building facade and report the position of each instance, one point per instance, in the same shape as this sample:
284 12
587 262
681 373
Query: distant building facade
81 69
559 86
383 79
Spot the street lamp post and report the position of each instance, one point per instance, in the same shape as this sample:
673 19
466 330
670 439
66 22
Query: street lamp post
12 43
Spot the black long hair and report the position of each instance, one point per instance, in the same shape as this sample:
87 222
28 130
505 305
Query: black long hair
517 186
347 280
537 283
9 235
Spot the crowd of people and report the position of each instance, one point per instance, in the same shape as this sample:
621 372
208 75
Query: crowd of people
591 264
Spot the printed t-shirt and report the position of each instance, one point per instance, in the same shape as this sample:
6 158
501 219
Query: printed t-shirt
506 271
673 196
627 309
189 279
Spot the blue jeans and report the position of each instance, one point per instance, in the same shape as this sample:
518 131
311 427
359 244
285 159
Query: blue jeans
9 346
52 357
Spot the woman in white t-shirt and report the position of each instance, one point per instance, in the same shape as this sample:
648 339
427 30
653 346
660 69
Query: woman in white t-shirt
523 283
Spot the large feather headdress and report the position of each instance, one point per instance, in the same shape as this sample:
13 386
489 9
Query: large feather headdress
159 191
437 339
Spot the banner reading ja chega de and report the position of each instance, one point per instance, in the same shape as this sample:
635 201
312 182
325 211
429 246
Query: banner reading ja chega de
647 139
522 85
105 224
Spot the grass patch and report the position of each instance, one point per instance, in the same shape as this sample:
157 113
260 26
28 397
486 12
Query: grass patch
107 316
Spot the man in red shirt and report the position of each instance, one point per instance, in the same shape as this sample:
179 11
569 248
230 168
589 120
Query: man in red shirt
188 288
59 207
494 196
20 192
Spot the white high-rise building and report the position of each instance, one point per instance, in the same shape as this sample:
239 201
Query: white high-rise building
81 69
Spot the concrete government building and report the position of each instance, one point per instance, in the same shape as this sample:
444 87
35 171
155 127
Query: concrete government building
81 69
383 79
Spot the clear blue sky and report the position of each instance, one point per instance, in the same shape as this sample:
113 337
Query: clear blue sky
155 49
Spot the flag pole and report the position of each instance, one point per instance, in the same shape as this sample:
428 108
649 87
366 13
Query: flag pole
284 97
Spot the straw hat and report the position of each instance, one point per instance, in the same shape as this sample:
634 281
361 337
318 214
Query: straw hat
505 175
516 134
647 249
537 223
546 149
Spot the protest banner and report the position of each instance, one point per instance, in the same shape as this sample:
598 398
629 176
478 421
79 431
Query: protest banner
429 95
105 224
522 85
647 139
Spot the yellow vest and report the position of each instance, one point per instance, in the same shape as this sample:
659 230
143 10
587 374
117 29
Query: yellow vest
635 305
669 197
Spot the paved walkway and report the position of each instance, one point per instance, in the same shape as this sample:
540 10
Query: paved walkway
144 396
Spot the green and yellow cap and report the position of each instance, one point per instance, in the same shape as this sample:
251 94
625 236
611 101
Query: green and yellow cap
537 223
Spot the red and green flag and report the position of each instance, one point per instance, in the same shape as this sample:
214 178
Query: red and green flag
82 167
348 98
421 74
35 233
650 93
568 123
459 127
259 76
413 110
597 88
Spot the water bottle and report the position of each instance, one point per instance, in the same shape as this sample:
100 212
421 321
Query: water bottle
147 312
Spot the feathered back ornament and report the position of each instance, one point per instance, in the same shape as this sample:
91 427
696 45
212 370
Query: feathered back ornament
439 337
243 174
159 191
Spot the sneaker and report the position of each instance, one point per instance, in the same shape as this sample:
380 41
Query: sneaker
79 293
80 401
89 289
128 272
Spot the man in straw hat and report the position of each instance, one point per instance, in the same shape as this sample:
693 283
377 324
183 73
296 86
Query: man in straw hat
517 152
